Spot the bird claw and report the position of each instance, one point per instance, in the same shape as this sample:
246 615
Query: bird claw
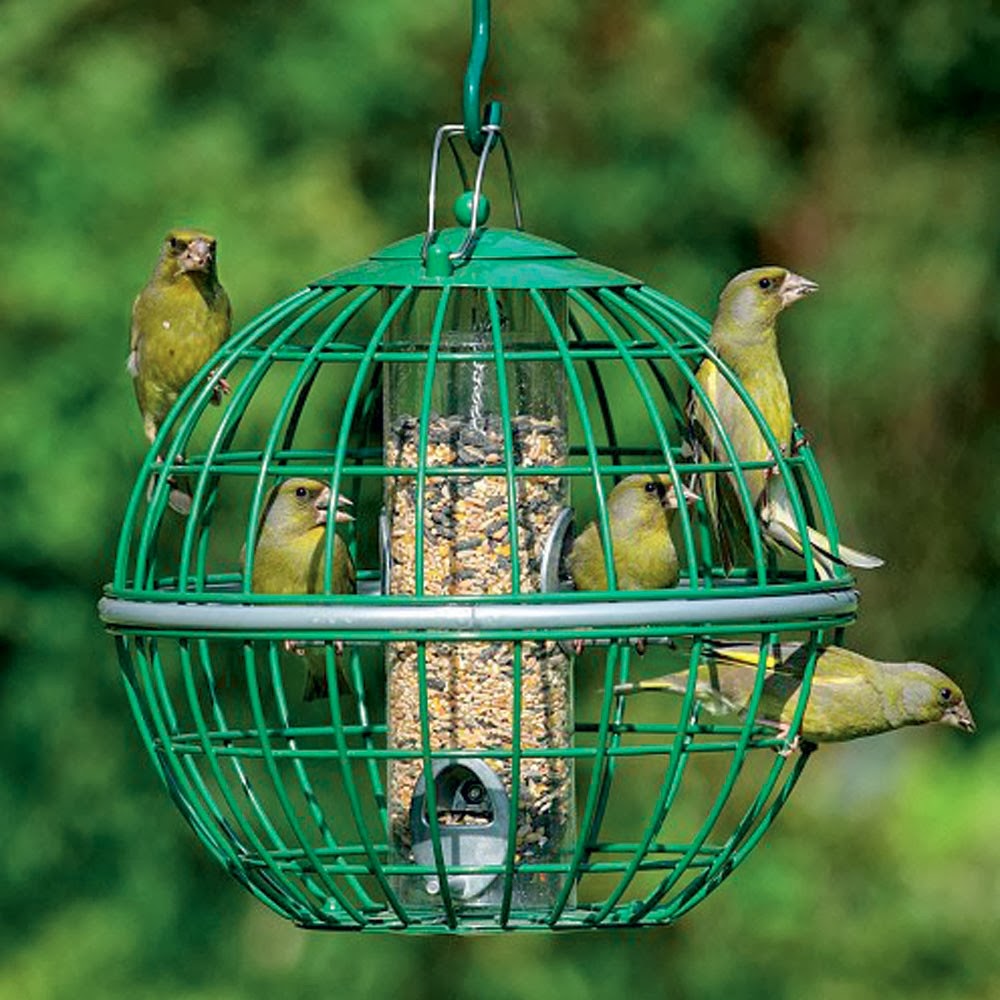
299 648
796 745
219 389
578 645
640 646
800 440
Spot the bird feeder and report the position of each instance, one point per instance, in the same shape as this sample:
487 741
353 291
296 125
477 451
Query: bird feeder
474 391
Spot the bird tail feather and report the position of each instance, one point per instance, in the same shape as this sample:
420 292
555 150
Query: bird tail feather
780 526
671 683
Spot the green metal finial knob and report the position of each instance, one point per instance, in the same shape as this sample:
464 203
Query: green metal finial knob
463 209
438 262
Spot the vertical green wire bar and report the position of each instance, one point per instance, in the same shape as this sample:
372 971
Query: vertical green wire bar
580 850
430 790
506 421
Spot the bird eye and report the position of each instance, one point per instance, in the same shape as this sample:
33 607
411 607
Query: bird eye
650 487
945 695
301 492
764 282
174 242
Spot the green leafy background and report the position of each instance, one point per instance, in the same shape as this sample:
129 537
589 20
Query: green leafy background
682 141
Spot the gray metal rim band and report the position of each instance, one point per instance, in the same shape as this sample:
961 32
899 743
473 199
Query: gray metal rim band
474 618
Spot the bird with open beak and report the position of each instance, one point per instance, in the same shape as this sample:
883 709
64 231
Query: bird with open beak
290 558
850 696
640 511
744 337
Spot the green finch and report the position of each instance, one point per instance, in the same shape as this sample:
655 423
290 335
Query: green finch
179 320
743 336
290 558
640 510
851 695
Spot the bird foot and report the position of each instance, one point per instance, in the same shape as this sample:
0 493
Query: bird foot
578 645
783 729
220 389
294 647
640 647
800 440
796 745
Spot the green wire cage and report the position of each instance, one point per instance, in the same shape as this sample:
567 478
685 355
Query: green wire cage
477 389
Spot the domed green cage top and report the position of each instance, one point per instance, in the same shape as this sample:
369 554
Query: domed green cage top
473 391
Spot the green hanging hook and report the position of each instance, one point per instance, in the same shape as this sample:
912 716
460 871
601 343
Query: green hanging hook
471 114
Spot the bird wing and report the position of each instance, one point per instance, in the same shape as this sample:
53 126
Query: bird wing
716 490
134 336
779 524
586 560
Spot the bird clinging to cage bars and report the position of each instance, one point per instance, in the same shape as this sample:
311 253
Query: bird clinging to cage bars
851 695
179 319
744 338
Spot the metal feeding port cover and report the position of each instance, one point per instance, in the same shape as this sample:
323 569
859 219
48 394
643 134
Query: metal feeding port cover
473 820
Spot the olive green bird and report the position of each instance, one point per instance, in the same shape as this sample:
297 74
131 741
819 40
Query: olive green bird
744 337
851 695
290 558
179 320
640 510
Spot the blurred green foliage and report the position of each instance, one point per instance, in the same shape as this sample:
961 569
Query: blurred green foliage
680 142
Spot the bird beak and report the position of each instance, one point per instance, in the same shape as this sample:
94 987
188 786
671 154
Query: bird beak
796 287
670 497
197 256
960 717
342 517
322 506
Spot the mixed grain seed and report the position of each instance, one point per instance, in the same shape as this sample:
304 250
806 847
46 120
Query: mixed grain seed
467 551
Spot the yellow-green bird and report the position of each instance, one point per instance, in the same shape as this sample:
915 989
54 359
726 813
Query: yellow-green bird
179 320
640 510
290 558
744 337
851 695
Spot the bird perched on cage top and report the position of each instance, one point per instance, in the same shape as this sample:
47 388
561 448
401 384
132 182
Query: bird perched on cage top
290 558
851 695
743 336
179 320
640 510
